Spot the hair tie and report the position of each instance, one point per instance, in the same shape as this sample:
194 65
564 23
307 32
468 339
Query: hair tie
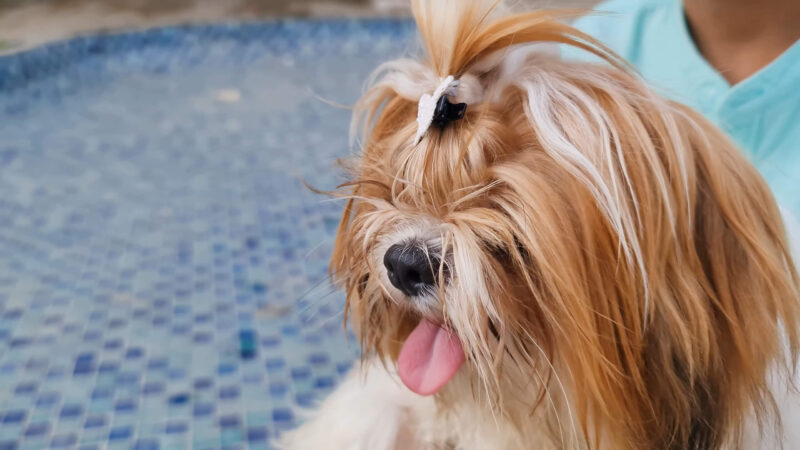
437 108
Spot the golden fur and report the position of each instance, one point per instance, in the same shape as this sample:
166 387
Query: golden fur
612 243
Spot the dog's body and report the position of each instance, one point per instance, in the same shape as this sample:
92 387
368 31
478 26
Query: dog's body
572 262
372 410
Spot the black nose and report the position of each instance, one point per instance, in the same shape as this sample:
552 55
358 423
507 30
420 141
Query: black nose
410 269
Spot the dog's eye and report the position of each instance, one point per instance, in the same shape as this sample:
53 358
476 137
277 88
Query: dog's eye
503 254
500 254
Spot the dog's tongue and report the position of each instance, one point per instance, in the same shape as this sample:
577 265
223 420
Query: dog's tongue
430 357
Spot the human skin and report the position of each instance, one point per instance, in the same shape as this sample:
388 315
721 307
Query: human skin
739 37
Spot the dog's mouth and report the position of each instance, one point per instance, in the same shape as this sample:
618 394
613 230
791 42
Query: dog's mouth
430 357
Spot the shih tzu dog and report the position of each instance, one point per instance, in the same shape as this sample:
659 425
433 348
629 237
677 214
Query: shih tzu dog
545 254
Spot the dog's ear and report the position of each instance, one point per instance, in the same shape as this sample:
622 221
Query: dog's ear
660 263
724 291
743 268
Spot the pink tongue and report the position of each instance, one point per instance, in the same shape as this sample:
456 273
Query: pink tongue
430 357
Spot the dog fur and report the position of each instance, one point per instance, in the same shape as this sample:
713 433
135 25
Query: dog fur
618 274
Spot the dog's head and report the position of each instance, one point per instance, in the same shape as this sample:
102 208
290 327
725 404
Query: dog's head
613 245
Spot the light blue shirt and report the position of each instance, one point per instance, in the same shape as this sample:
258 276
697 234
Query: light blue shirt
761 113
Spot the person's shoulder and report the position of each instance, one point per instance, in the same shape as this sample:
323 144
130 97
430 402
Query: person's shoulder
619 24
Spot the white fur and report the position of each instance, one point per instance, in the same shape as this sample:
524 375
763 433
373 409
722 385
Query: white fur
793 231
789 400
372 410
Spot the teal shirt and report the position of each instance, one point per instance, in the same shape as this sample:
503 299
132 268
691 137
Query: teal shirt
761 113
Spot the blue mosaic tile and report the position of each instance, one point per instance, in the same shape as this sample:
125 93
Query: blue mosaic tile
36 430
231 421
146 444
69 411
127 405
120 433
163 270
179 399
203 383
14 416
94 422
47 399
176 428
63 440
203 409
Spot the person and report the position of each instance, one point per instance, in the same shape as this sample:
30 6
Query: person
735 61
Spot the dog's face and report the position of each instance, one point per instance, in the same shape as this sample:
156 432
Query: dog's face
577 226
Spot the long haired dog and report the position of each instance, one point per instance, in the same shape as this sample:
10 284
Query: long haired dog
541 253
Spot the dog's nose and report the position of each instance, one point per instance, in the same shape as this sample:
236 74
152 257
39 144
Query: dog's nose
410 269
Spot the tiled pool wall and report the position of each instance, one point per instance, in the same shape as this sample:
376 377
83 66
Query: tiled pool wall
163 270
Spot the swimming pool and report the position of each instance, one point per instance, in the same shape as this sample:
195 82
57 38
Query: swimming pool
163 270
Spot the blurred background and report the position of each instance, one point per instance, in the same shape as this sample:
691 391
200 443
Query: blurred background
163 269
24 23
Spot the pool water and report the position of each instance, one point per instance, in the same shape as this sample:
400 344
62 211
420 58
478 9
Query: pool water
163 270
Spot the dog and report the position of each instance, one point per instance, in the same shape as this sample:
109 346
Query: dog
545 254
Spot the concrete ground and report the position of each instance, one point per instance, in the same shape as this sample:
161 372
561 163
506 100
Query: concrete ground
28 23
